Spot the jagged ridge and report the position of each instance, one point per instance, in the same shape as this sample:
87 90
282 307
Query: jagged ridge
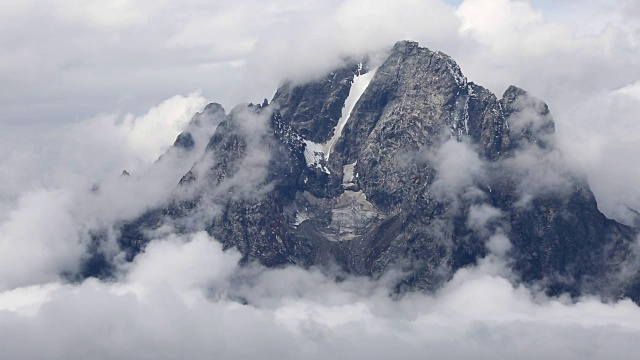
378 198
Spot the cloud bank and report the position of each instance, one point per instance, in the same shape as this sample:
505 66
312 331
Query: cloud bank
185 297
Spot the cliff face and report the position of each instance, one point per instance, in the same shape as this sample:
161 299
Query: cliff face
407 165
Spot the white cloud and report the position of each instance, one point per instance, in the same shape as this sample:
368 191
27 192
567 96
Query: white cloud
110 13
72 158
39 240
499 244
481 215
507 27
632 90
601 136
47 208
458 168
198 263
148 135
293 313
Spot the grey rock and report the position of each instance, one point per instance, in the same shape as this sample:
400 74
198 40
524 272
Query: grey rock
376 201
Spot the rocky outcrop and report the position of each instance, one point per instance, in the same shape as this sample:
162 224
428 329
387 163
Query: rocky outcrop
407 165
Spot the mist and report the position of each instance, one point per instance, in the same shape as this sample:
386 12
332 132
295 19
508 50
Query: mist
185 297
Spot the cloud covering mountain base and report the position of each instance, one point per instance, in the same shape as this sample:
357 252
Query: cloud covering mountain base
185 297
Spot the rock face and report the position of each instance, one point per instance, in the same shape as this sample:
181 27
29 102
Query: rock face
407 165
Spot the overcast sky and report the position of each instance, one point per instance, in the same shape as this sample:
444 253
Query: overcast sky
68 61
91 87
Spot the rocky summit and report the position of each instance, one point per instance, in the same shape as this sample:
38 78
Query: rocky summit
400 166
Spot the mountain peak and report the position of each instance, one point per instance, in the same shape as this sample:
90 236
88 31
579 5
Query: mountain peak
513 92
388 168
405 46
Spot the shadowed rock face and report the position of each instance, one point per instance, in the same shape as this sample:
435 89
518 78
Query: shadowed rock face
427 172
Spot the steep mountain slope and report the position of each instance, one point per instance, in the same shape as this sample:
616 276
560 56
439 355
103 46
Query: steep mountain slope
405 166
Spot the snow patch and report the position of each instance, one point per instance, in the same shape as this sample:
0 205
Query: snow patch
455 71
460 123
316 155
300 217
347 171
465 115
358 87
313 155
